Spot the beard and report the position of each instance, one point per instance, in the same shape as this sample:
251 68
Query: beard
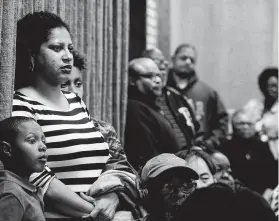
184 74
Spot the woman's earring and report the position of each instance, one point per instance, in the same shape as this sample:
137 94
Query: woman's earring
31 65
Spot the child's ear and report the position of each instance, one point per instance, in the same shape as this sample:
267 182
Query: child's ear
6 148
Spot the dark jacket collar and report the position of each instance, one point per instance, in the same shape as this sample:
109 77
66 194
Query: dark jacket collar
193 78
135 94
6 175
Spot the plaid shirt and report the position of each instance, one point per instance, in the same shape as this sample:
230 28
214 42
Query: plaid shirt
118 158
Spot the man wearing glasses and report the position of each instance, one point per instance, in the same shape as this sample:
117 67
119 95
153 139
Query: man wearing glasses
176 108
147 132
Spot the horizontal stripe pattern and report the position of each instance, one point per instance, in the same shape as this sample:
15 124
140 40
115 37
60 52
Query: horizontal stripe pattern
77 151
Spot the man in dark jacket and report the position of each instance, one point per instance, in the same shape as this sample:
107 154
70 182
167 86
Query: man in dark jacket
209 108
176 107
147 132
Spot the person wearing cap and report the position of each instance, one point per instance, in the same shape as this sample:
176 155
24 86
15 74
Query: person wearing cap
147 132
169 182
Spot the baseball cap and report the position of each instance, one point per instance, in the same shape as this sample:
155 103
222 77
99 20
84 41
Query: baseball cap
163 162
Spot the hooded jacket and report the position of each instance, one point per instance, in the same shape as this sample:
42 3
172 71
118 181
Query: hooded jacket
183 115
210 110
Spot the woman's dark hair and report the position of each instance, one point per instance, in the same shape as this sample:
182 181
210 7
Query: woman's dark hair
32 30
264 76
187 154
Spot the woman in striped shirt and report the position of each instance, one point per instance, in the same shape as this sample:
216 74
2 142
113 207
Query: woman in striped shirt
76 149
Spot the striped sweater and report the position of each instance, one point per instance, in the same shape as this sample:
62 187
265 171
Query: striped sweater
76 151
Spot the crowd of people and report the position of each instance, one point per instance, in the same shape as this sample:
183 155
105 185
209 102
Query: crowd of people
178 162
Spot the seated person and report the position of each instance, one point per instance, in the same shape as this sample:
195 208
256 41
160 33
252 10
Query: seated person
223 168
201 162
219 202
169 181
248 154
23 152
215 202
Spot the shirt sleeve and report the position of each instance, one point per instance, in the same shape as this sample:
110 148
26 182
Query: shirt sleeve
22 108
42 179
11 209
219 122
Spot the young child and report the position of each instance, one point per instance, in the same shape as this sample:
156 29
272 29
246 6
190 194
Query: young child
23 152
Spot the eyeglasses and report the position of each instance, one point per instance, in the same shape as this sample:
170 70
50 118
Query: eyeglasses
162 64
151 75
185 188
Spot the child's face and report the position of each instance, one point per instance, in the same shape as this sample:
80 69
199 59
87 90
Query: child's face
29 150
74 83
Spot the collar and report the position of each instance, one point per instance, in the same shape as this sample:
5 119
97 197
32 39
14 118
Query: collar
135 94
192 79
6 175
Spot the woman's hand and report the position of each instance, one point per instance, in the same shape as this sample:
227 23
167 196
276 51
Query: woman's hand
104 206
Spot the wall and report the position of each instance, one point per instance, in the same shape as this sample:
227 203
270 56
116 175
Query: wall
235 40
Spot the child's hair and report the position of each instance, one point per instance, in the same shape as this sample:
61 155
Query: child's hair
9 129
79 60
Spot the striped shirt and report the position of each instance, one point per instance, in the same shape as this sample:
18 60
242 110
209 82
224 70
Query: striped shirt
76 150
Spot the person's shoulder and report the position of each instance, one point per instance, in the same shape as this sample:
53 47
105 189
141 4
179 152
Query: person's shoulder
205 86
137 106
254 203
12 189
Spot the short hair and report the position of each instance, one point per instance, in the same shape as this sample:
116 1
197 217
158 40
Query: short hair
241 112
187 154
79 60
9 129
32 31
147 52
132 69
264 76
182 46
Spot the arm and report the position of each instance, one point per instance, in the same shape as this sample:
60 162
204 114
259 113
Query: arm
139 140
218 122
118 159
11 209
58 196
65 201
